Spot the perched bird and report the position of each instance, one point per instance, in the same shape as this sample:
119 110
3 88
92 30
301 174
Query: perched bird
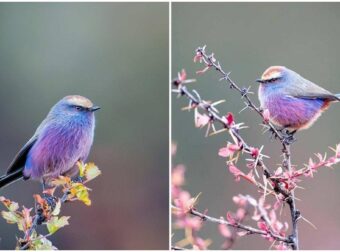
62 139
293 102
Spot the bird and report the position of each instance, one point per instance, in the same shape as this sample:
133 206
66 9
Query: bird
293 102
62 139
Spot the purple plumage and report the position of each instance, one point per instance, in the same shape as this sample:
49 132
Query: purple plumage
62 139
292 101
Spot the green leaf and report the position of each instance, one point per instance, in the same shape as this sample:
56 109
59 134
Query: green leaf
92 171
11 205
10 217
81 192
82 169
55 223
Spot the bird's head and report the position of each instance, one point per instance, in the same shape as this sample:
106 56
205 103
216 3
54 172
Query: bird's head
273 75
75 105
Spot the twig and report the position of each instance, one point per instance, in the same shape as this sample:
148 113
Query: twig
233 131
237 225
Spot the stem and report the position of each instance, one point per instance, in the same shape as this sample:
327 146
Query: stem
295 214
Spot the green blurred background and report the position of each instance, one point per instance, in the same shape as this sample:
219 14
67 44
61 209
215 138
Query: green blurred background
247 38
117 55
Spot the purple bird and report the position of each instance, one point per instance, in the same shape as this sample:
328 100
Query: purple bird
63 138
293 102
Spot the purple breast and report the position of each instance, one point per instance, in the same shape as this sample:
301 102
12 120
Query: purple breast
287 111
57 150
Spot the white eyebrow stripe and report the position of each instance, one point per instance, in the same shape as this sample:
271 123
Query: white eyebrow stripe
273 75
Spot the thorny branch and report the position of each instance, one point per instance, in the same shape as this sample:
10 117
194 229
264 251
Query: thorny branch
195 101
210 61
233 130
238 225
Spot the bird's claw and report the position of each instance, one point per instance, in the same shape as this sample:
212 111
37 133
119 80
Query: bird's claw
288 136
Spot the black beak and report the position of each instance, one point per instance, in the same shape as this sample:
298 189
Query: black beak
260 80
94 108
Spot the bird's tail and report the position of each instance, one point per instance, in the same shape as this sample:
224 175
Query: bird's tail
338 96
10 178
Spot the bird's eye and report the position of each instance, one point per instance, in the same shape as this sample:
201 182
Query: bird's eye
273 80
78 108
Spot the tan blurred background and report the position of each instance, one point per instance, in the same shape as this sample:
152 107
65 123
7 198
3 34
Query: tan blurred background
247 38
117 55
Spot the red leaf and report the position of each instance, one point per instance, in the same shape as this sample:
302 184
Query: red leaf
262 225
229 150
230 119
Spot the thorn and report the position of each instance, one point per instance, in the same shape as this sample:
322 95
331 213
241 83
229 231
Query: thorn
243 108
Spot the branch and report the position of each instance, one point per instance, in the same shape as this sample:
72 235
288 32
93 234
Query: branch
47 208
237 225
210 61
233 130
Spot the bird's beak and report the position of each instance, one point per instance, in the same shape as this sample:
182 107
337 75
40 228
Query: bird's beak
260 80
94 108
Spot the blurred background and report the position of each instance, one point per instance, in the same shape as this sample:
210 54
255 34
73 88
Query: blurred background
247 38
116 54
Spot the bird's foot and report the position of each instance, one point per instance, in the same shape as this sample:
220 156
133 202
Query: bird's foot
288 136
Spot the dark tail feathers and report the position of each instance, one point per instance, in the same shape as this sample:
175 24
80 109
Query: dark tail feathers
10 178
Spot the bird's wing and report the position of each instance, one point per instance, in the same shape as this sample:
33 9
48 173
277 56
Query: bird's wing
20 159
308 90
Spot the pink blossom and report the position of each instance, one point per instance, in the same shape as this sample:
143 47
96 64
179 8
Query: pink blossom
230 218
193 223
281 246
266 115
240 200
198 58
224 231
199 244
201 120
177 175
182 76
254 152
229 150
241 214
238 174
235 171
263 226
